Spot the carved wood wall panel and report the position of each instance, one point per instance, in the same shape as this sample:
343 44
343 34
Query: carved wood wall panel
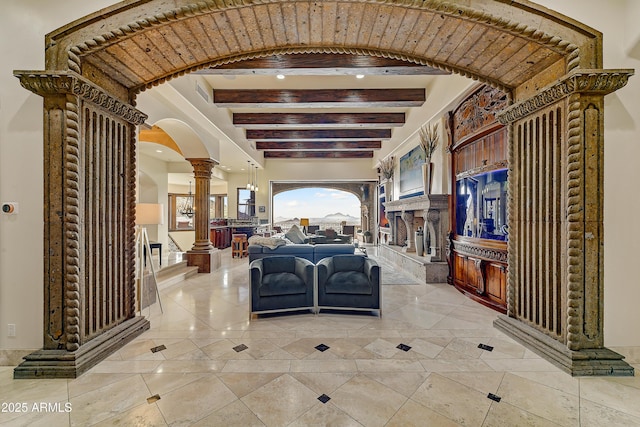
486 153
555 271
108 155
478 112
539 186
89 210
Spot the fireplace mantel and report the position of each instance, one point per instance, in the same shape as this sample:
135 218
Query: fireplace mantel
418 203
433 209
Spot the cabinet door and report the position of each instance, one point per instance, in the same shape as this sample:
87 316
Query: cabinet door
495 281
472 273
459 265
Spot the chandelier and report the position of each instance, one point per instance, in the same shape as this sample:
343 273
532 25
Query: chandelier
187 208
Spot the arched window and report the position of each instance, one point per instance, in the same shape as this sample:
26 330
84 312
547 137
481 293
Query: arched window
324 207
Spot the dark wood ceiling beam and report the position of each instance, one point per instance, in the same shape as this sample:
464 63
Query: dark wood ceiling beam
317 134
319 145
322 64
319 98
318 154
305 120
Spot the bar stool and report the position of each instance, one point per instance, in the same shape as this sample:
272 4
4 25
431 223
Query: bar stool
239 245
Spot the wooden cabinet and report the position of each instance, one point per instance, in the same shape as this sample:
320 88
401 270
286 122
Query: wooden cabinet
496 282
479 270
478 214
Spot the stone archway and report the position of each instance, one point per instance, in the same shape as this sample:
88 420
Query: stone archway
550 65
363 190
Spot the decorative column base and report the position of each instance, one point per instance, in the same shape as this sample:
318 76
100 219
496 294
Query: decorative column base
72 364
586 362
206 261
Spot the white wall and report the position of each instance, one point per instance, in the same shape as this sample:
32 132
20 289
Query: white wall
23 26
156 171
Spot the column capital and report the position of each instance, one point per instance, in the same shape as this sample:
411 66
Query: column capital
202 167
580 81
47 83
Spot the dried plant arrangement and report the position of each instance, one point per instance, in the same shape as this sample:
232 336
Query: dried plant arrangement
429 140
386 167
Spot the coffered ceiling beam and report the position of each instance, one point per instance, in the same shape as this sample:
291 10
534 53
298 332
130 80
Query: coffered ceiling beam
321 64
318 154
317 134
318 98
305 120
319 145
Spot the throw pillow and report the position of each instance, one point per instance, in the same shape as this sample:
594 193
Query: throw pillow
270 242
295 234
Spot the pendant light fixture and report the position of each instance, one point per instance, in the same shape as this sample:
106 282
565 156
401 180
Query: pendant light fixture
248 176
255 186
252 176
187 208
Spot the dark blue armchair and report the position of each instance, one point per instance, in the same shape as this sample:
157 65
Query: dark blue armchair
281 283
349 282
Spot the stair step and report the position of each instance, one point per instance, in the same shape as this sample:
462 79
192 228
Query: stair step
175 273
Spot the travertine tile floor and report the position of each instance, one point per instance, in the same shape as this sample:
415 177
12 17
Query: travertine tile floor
443 380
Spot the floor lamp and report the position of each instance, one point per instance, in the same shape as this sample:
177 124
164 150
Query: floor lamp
304 223
146 214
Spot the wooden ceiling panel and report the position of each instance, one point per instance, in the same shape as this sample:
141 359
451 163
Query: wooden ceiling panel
318 145
317 120
535 63
321 64
319 98
318 134
318 154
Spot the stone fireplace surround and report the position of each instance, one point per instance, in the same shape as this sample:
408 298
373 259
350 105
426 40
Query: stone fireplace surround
431 212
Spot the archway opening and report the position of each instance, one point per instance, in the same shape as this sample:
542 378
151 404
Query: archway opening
97 65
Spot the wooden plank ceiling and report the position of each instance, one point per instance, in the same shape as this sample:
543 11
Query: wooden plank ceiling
233 36
303 123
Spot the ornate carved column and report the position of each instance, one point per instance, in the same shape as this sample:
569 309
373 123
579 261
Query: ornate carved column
89 217
392 227
407 217
437 224
555 251
364 217
202 253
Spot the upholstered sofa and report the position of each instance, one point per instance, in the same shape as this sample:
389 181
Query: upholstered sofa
283 283
313 253
348 282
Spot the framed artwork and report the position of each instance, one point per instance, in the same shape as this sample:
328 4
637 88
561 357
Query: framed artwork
262 209
411 173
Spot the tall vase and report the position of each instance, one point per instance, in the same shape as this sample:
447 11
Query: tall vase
388 190
427 172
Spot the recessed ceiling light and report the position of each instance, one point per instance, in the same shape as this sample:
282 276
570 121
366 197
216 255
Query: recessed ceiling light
280 76
359 76
158 151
